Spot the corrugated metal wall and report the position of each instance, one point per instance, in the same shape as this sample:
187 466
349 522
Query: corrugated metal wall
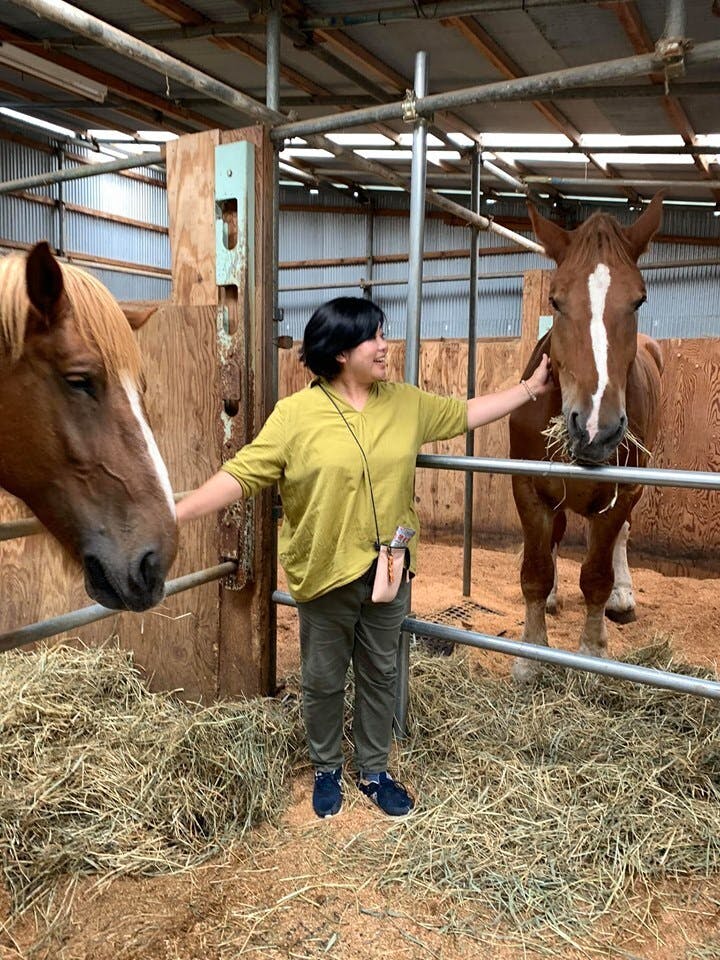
681 302
143 251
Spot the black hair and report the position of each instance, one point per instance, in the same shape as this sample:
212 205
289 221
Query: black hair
338 325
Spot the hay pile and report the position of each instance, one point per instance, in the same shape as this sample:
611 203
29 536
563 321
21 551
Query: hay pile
97 775
553 807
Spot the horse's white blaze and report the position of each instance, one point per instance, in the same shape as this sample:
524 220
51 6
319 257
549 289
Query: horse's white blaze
598 286
152 447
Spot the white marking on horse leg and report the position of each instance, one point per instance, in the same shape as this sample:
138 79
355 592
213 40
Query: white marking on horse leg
622 599
535 632
551 602
598 286
152 447
593 639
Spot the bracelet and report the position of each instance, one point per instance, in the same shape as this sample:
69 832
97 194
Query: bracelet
533 396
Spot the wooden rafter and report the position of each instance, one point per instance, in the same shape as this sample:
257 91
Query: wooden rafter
481 40
637 33
127 91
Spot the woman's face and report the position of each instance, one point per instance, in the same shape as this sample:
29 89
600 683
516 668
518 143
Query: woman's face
365 363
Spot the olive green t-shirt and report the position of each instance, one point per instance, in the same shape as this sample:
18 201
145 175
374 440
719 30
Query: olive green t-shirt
328 532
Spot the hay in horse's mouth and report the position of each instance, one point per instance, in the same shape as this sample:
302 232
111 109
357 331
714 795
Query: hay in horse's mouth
559 442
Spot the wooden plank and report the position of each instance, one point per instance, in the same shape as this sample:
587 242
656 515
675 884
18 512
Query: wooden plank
190 165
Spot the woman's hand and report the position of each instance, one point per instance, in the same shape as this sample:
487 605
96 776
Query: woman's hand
541 379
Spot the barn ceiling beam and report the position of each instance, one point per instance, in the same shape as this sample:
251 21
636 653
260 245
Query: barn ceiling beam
522 88
163 111
636 31
485 44
429 11
71 17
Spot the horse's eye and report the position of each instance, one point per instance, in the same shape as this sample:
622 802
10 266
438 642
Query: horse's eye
554 304
640 302
82 383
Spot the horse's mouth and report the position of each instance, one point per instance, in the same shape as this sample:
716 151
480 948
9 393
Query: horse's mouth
103 586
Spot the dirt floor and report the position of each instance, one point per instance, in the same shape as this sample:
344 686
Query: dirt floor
276 896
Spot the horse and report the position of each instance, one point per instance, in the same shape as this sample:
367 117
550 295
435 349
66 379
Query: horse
75 444
604 408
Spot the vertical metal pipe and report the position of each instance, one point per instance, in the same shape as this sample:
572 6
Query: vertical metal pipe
412 336
417 228
475 174
369 246
61 203
272 100
675 20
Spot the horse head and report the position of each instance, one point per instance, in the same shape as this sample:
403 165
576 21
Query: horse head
75 444
595 294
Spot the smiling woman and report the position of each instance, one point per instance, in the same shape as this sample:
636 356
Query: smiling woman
75 444
343 453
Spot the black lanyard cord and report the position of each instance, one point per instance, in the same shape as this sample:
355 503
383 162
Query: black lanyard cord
367 466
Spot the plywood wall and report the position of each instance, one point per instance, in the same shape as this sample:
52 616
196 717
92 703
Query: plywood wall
679 525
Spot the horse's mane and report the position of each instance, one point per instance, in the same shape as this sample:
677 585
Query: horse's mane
98 317
599 239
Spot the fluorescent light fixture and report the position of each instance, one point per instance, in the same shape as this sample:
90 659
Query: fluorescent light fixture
690 203
24 62
37 122
584 199
716 213
360 139
290 183
462 193
383 186
314 191
296 171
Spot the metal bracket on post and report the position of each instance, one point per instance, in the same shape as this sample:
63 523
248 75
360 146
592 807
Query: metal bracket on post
409 111
235 277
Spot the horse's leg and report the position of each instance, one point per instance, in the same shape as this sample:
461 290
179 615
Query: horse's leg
596 578
621 603
559 525
537 571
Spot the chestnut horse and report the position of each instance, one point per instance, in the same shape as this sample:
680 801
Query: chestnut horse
75 445
607 399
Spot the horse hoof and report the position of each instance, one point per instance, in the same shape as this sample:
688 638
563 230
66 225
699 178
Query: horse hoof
622 616
552 606
525 671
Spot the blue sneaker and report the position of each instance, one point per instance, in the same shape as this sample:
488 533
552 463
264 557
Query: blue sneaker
390 795
327 792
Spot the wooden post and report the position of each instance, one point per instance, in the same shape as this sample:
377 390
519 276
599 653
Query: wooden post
241 297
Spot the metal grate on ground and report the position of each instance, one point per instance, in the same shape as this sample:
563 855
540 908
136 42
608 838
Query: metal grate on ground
458 614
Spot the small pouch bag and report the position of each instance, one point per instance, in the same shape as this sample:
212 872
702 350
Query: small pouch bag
389 573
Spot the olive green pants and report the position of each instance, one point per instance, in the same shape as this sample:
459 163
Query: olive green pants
341 626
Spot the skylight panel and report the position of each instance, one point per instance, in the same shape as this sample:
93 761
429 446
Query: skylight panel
37 122
406 140
304 152
644 159
541 157
461 139
525 140
385 154
639 140
360 139
437 156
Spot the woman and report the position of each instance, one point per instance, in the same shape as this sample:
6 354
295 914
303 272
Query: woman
343 452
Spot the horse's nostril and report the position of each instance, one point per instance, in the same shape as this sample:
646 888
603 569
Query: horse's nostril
148 570
575 426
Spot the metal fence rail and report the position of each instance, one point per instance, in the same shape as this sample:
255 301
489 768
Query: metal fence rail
678 682
85 615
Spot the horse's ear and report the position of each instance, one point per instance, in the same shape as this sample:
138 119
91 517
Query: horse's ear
552 236
646 226
138 314
44 279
